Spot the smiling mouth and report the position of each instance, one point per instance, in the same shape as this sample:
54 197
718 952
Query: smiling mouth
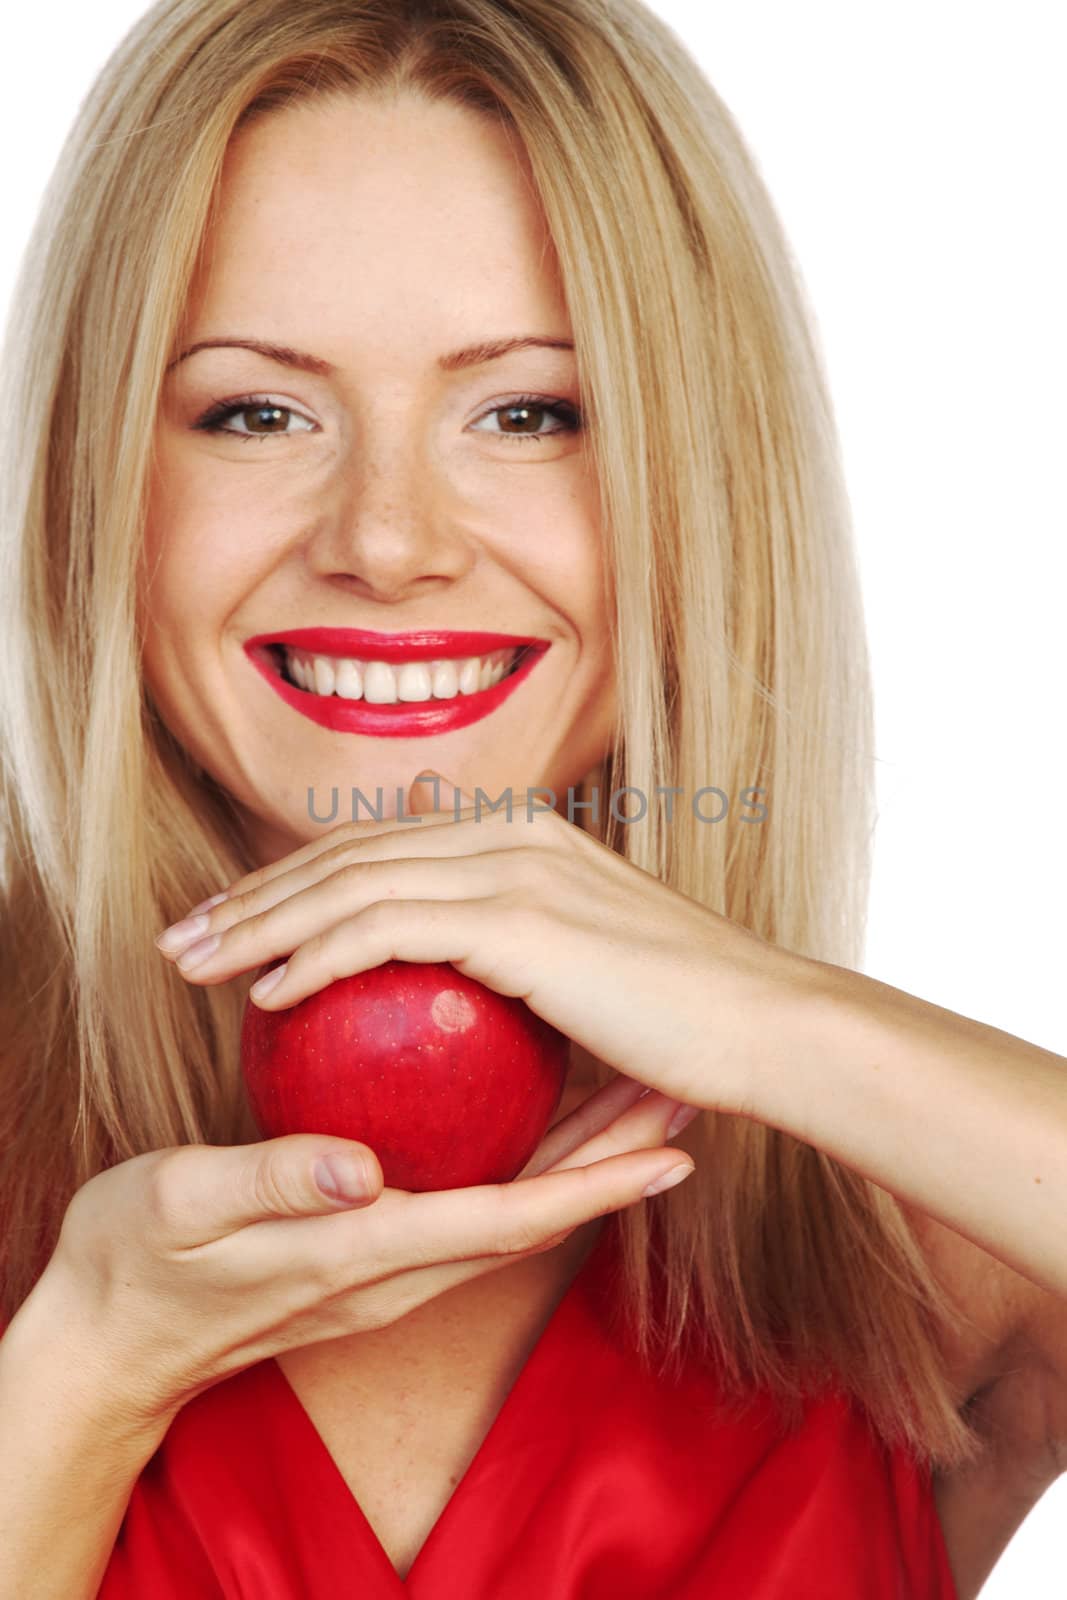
427 682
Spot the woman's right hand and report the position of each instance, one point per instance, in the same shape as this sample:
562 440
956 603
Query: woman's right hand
177 1269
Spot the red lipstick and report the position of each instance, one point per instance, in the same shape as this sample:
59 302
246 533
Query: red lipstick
359 645
412 719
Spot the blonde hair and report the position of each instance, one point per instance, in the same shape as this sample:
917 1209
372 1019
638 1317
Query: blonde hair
739 637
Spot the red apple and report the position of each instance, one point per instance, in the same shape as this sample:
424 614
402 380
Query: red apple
448 1082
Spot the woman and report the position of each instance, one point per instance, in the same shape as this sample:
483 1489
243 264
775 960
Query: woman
259 386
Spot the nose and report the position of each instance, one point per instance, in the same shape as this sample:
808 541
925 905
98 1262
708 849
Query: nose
390 533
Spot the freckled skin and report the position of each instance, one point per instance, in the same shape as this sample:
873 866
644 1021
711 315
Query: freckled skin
376 236
391 501
449 1083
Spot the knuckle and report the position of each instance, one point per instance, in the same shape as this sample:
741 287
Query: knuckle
313 947
246 929
352 1263
350 857
518 1234
85 1211
349 835
330 1276
239 903
352 873
344 1276
271 1187
382 913
240 893
167 1191
381 1306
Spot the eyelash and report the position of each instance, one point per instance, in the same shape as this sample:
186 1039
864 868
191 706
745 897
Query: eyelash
223 410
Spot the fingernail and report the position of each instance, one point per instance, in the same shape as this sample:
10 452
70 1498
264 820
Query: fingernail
176 937
342 1177
199 952
206 905
271 981
668 1179
682 1118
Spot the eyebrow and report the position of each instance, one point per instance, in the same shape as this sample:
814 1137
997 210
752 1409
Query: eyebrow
474 355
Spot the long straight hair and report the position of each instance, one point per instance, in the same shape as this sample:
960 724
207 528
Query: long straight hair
738 634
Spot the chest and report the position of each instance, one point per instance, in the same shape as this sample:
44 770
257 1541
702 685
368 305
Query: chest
401 1448
404 1413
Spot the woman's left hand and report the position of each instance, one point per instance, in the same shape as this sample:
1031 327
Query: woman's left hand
643 977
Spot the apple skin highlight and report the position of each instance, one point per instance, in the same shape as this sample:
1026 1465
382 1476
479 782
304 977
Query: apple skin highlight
448 1082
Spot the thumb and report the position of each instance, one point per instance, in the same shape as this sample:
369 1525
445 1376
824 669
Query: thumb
432 791
303 1175
197 1193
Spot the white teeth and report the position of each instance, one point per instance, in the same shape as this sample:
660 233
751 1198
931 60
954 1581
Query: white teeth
445 680
413 681
349 683
470 675
381 683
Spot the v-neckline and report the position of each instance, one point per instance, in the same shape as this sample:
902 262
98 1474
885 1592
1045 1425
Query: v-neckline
542 1349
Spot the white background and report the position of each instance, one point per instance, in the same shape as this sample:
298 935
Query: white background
915 153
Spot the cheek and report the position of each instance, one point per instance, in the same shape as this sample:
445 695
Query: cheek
185 592
563 549
217 528
590 557
201 553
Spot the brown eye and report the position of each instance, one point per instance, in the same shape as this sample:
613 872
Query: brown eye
524 418
257 419
264 419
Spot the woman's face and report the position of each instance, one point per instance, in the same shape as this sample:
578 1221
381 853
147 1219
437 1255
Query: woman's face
371 485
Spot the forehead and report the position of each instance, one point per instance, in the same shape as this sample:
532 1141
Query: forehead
399 214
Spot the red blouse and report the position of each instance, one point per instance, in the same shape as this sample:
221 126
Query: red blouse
595 1482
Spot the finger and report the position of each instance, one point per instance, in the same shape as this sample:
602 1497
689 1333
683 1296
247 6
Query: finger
271 885
498 1219
199 1193
247 940
396 1296
405 1232
587 1119
395 930
352 844
389 845
649 1122
345 833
